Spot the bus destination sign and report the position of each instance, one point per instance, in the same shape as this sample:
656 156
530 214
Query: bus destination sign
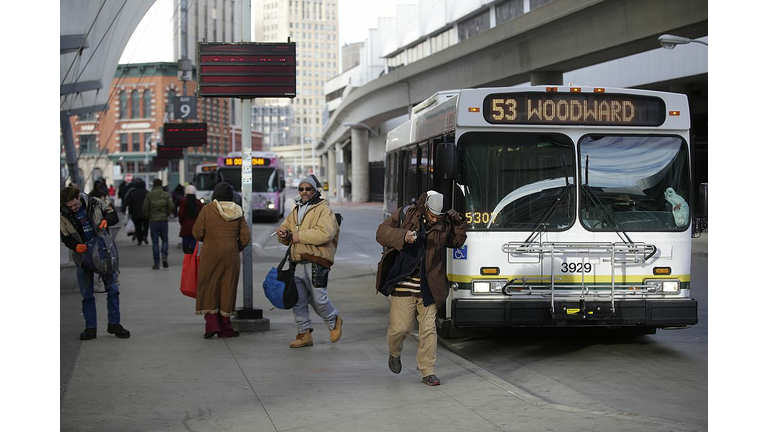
236 161
574 109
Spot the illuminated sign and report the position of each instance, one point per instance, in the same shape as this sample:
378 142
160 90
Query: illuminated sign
166 152
185 134
574 109
236 161
246 70
208 168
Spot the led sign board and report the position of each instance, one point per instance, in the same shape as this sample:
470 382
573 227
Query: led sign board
246 70
255 161
167 152
185 134
574 109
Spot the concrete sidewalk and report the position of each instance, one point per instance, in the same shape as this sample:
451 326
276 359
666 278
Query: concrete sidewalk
167 377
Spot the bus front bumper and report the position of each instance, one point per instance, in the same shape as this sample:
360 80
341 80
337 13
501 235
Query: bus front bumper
538 313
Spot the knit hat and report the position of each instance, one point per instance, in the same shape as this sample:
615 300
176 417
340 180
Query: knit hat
435 202
190 190
312 180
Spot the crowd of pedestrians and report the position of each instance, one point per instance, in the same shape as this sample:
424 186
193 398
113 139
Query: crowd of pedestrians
416 283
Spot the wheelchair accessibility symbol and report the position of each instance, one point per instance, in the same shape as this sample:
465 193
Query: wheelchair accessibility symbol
461 253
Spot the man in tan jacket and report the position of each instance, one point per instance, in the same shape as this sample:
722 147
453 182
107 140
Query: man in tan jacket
312 233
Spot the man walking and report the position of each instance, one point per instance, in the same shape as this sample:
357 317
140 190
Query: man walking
312 233
416 282
80 218
157 206
133 203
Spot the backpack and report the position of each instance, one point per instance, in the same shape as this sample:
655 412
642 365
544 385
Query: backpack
389 256
101 256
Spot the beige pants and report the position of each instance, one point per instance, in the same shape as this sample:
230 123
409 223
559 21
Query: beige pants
402 313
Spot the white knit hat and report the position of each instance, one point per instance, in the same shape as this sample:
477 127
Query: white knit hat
190 190
435 202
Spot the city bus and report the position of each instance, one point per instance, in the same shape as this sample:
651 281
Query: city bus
268 193
577 200
205 180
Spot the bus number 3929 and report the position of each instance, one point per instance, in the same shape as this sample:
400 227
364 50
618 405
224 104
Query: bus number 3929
575 267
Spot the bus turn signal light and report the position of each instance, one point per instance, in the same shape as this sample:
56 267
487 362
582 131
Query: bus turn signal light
474 109
485 271
674 113
662 271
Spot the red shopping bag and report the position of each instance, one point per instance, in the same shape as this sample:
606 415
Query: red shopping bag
189 272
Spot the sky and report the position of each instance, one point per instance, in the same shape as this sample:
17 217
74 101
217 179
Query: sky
355 18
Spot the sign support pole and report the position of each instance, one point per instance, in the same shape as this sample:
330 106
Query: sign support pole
248 318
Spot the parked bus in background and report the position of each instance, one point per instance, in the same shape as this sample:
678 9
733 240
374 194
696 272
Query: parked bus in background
205 180
268 193
578 204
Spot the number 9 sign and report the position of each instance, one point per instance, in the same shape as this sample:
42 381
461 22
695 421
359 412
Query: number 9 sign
185 108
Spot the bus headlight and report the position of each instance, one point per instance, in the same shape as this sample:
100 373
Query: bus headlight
488 286
270 205
663 286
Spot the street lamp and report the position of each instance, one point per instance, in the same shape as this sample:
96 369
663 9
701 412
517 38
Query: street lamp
669 41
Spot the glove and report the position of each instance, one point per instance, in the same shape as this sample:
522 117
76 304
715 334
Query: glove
103 224
81 248
454 215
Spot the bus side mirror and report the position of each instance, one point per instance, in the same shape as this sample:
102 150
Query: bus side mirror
446 160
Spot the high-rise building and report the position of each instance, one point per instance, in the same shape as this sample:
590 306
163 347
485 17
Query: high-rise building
314 26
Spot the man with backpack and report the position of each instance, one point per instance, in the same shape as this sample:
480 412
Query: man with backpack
158 206
416 282
81 216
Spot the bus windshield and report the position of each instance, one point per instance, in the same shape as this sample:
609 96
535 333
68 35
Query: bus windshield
205 181
516 181
264 179
634 183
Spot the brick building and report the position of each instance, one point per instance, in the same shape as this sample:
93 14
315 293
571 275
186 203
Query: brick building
120 143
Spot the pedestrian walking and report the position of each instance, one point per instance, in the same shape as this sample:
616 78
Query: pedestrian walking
348 190
134 207
224 233
176 195
80 218
312 233
416 283
157 207
189 209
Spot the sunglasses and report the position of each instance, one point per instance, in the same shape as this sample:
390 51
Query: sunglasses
309 189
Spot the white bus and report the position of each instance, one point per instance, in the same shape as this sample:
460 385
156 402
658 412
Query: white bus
205 180
577 200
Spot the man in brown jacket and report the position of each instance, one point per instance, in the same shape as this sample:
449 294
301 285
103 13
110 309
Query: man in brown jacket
417 282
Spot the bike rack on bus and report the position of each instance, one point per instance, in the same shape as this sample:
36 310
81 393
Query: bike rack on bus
614 253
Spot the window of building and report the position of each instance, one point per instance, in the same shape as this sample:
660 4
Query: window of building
539 3
123 104
135 104
87 144
147 99
475 25
136 142
507 10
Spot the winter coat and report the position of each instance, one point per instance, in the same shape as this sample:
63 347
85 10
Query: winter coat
318 233
158 205
224 233
446 233
185 221
71 231
134 201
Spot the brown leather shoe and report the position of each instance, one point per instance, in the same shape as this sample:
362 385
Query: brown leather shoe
336 332
302 340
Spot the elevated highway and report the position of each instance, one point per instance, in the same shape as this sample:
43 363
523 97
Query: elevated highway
538 46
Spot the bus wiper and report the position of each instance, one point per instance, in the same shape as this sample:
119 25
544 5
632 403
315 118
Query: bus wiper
607 212
552 209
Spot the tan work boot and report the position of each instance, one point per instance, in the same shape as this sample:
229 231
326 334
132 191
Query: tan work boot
336 332
302 340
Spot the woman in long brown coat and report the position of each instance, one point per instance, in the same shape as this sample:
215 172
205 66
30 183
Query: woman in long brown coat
224 233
